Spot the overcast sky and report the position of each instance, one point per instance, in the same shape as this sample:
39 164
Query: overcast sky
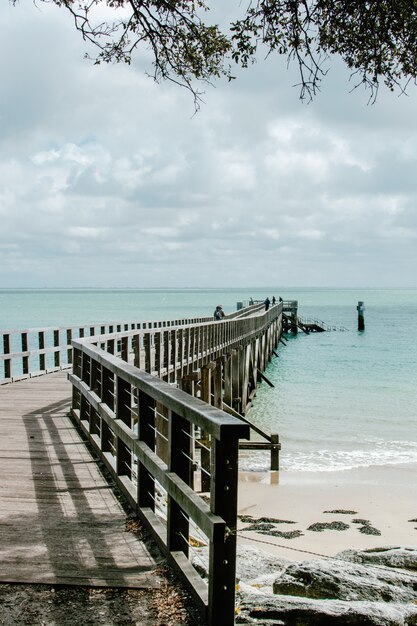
107 179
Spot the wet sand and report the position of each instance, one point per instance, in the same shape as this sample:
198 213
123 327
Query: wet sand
385 497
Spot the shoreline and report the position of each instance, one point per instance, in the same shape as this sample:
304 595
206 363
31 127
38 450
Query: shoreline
383 496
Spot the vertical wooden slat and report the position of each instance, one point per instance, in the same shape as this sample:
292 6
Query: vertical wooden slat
95 377
167 353
7 362
136 350
275 452
179 462
146 433
148 353
162 418
107 387
25 359
107 397
42 358
123 413
69 350
223 502
158 354
186 350
204 438
180 335
218 384
173 355
125 348
227 369
57 354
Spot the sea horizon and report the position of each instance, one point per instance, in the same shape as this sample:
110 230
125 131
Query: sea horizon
341 400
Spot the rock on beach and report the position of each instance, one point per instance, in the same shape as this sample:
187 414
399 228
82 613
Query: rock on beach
356 588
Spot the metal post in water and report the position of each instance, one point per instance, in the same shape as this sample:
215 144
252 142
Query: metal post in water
361 316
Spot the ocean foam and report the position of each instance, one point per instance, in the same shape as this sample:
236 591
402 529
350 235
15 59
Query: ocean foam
381 453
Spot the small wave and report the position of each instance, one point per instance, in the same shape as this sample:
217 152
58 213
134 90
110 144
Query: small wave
382 453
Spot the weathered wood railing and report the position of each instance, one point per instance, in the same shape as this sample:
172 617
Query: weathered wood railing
162 443
150 396
34 351
110 399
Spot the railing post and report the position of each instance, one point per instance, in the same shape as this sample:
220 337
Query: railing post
57 355
146 433
204 438
173 355
227 371
158 354
223 502
148 352
7 362
25 358
187 344
69 350
180 464
108 398
218 384
275 452
42 358
167 354
162 418
181 352
77 372
110 346
123 413
85 408
107 388
125 349
95 377
136 350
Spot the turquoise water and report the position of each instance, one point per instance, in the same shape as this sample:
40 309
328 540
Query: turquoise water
341 399
346 399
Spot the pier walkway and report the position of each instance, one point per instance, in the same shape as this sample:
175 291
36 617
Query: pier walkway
162 406
60 521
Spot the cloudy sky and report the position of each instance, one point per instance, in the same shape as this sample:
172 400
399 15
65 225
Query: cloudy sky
107 179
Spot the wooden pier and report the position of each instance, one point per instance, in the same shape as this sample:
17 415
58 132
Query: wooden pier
60 521
162 405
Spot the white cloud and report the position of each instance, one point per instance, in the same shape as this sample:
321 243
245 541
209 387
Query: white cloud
100 166
161 231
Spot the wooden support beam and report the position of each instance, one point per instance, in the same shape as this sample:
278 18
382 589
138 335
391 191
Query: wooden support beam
265 379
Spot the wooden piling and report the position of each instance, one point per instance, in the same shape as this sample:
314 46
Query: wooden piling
361 316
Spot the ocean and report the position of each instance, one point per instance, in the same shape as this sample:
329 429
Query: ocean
341 399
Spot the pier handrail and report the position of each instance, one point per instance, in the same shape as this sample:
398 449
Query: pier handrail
109 397
29 352
122 381
125 377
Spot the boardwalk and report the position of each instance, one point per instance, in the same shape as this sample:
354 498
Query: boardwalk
60 522
161 405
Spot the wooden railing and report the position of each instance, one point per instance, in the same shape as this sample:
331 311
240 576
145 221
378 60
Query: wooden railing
112 400
173 455
35 351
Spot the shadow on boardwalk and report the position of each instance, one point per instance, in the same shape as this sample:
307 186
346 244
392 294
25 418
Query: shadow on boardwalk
61 524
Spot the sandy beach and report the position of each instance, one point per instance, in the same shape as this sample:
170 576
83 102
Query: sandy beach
385 497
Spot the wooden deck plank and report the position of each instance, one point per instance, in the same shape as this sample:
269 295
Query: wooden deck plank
60 521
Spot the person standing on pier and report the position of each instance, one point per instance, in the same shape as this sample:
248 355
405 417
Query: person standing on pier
267 303
218 313
273 300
